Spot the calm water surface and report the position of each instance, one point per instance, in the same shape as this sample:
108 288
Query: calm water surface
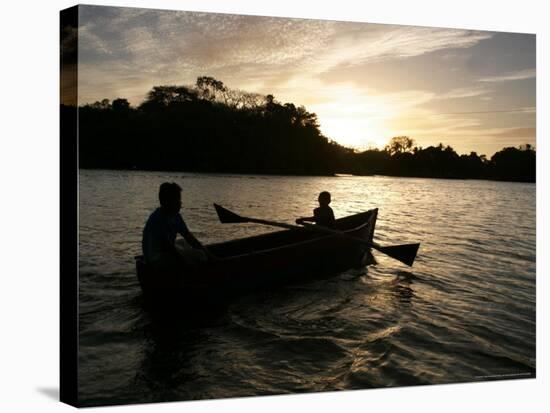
464 312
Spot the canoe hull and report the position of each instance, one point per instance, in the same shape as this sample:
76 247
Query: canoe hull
267 261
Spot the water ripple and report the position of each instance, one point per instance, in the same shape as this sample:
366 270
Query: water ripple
464 312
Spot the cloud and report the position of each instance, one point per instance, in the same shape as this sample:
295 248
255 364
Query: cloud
517 75
466 92
516 133
201 39
246 50
374 43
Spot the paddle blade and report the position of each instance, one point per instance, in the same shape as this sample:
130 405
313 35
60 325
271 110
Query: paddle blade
227 217
405 253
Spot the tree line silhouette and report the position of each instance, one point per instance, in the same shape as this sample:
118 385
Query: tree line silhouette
209 127
402 158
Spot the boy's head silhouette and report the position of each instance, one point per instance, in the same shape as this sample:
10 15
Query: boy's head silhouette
170 197
324 198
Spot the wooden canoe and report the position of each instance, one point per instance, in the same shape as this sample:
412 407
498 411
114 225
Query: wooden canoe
266 261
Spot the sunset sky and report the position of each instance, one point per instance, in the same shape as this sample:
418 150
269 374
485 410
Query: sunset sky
472 90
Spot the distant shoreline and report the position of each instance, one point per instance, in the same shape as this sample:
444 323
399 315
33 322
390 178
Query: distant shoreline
335 175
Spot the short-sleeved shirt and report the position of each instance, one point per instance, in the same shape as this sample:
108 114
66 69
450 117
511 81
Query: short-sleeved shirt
159 234
324 216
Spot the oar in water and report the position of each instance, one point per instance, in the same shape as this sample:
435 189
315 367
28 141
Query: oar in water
404 253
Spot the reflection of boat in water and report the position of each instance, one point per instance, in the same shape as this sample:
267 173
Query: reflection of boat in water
265 261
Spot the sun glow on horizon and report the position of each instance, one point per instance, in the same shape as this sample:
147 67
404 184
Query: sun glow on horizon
353 117
355 133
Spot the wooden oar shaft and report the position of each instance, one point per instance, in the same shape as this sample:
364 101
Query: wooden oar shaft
271 223
403 253
311 227
229 216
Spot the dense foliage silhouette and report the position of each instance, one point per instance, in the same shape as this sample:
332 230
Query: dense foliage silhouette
211 128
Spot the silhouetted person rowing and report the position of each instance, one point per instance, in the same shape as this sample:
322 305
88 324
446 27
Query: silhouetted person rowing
323 215
159 235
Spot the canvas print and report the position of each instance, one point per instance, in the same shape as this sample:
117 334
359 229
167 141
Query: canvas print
255 205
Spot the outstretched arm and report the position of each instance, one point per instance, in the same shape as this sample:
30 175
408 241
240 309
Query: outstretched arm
190 238
193 242
182 229
300 221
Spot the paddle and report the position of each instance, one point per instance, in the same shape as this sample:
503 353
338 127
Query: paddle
404 253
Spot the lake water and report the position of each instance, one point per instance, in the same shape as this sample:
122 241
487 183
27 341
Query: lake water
464 312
